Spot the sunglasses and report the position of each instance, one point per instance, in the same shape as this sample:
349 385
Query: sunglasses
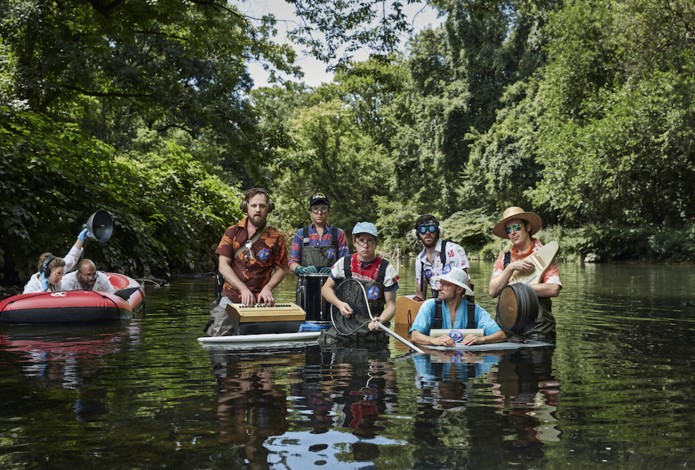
515 227
423 229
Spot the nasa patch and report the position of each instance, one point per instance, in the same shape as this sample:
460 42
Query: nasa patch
446 269
428 273
264 254
330 253
373 293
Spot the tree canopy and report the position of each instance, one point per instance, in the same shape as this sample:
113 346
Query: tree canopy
580 110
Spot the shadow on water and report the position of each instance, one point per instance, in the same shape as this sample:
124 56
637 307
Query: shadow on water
616 390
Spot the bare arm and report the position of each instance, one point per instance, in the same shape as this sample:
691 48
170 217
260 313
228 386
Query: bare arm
388 313
496 337
547 290
501 281
444 340
328 293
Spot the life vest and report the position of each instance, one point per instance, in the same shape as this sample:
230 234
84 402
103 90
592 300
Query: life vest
319 256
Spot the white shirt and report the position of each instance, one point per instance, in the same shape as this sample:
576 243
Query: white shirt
34 284
455 258
102 283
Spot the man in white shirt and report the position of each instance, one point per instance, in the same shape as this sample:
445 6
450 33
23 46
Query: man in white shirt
87 278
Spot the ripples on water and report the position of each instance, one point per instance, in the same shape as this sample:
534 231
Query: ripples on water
616 391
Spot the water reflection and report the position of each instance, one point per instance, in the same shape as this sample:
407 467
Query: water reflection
68 356
615 391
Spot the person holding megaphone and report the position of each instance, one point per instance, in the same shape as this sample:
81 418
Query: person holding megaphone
52 268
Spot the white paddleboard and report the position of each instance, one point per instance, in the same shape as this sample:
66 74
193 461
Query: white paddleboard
541 259
271 340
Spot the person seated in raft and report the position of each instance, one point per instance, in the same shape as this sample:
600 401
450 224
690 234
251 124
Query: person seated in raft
437 257
379 277
452 310
87 278
51 268
519 226
316 247
252 254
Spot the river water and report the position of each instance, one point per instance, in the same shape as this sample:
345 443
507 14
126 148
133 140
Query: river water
616 391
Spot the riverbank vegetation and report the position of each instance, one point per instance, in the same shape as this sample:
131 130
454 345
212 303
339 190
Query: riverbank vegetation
582 111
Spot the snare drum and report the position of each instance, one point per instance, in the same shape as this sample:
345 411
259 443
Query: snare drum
310 299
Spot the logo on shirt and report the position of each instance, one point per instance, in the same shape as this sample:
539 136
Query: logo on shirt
446 269
373 293
264 254
428 273
330 253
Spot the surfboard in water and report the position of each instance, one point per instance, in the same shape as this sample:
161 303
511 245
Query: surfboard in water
541 259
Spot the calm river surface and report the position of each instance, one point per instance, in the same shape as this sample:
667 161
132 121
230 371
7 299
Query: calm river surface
616 392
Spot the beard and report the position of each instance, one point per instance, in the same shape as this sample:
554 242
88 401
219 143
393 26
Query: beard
257 221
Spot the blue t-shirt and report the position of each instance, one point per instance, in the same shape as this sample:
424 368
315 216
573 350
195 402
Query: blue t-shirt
425 318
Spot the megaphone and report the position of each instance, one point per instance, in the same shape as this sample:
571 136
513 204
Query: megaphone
100 225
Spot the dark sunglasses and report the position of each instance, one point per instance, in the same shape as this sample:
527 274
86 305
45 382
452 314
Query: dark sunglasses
516 228
423 229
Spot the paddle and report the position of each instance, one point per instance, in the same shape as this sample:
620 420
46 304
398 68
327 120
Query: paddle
348 292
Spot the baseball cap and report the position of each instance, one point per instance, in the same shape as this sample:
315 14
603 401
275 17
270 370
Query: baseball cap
365 227
318 198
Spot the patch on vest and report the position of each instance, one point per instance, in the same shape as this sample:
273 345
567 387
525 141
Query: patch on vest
264 254
330 253
373 293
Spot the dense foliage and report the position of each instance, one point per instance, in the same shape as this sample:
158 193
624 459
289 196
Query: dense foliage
581 110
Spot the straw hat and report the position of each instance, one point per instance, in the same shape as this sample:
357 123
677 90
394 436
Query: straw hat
517 213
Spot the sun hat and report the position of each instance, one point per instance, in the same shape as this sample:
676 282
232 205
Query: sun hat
457 276
318 198
365 227
517 213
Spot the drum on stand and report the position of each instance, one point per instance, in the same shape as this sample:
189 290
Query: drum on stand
517 308
309 298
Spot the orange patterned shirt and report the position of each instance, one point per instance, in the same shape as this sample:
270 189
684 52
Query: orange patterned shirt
269 251
550 276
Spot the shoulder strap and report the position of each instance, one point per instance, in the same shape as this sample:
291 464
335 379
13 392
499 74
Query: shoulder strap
382 271
253 240
347 265
442 254
507 258
305 236
423 280
471 313
334 236
437 323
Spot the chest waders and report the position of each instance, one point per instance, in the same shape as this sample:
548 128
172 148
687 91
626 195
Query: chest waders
376 305
543 328
319 256
470 322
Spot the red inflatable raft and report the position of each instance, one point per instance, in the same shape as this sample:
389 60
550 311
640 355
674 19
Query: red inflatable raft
79 306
